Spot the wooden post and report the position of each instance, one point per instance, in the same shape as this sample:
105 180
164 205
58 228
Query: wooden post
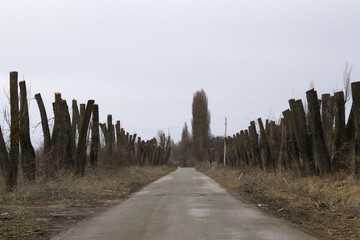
28 161
81 150
320 148
95 136
14 131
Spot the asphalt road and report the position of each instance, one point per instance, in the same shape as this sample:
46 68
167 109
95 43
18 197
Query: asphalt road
187 205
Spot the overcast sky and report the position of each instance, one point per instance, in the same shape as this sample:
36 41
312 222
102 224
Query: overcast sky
142 60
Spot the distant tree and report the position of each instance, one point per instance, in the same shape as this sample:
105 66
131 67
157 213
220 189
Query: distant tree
185 144
200 126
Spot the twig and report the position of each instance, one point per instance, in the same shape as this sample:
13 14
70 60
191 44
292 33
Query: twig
286 182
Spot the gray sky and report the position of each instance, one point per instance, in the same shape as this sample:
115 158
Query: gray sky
143 60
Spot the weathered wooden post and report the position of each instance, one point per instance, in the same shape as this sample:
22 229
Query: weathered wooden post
95 136
28 161
81 150
321 153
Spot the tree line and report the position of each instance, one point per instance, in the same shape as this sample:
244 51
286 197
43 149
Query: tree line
73 142
310 139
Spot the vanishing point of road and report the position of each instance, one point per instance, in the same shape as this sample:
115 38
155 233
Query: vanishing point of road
184 205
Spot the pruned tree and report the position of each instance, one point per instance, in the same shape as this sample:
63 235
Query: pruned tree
81 150
44 124
355 90
320 150
75 124
95 136
9 161
28 161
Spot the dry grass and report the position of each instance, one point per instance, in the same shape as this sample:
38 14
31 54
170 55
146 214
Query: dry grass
329 206
42 209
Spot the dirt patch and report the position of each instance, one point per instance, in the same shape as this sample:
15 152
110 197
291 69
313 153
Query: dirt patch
43 209
328 206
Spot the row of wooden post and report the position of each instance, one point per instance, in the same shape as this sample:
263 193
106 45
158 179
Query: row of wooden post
312 141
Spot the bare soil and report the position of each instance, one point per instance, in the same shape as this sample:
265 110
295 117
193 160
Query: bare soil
43 209
328 206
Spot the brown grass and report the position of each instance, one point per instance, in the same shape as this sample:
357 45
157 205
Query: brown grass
40 210
329 206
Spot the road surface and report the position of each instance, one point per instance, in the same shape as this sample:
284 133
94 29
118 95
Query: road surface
183 205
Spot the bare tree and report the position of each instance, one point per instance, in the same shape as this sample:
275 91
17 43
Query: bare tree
347 81
200 125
